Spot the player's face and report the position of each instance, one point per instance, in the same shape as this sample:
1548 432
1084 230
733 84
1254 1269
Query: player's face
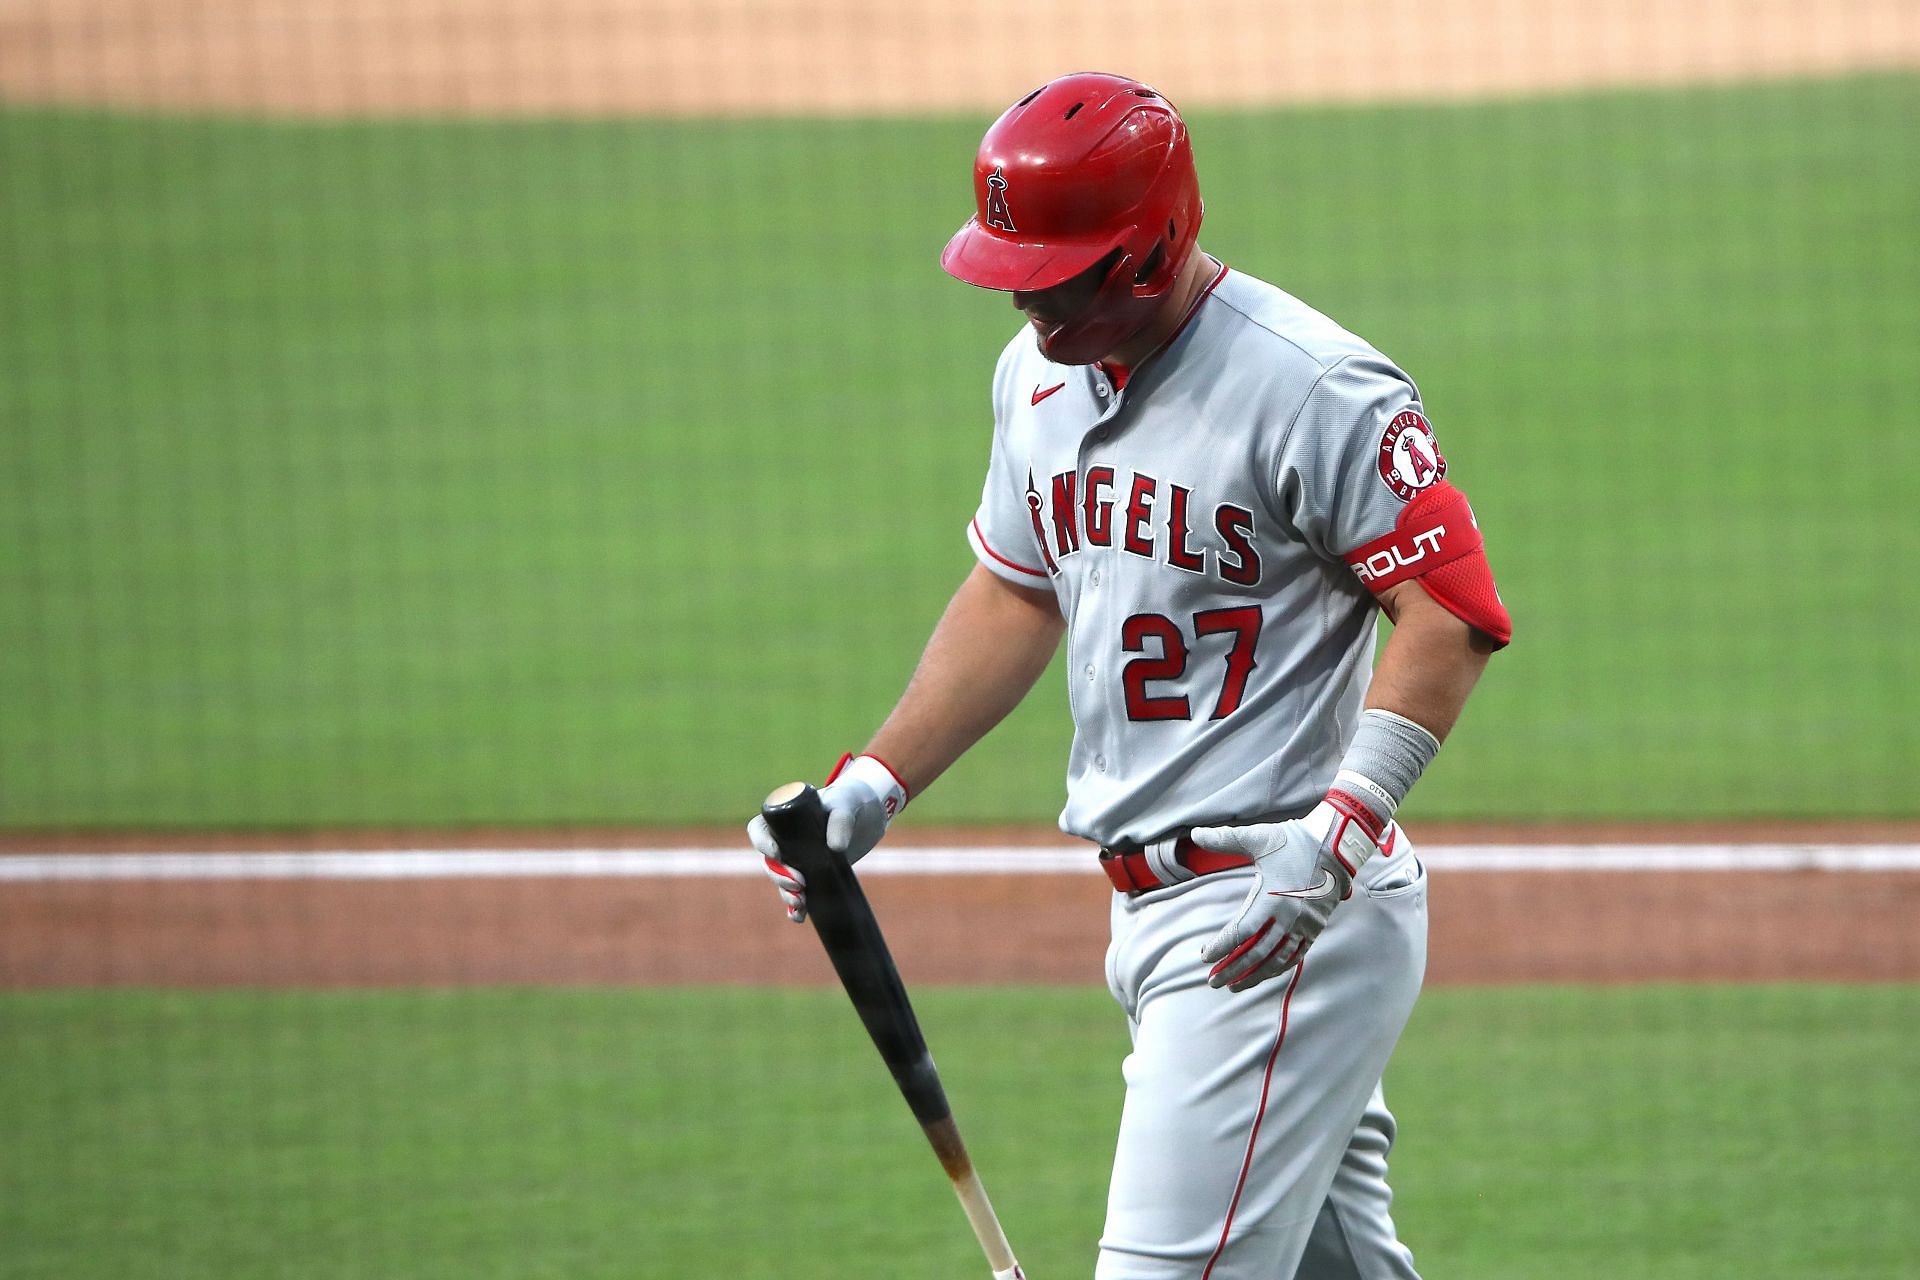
1048 309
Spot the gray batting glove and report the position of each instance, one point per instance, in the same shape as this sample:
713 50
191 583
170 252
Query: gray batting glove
1304 868
861 796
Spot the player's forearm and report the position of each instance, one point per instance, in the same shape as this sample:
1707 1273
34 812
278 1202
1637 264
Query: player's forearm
1431 662
989 648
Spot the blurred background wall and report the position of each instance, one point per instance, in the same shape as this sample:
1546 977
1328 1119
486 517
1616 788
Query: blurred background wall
551 418
475 413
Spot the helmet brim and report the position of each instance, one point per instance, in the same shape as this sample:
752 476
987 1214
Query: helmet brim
991 260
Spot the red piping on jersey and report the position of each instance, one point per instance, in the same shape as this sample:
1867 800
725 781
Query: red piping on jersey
1185 320
1266 1087
1118 374
997 556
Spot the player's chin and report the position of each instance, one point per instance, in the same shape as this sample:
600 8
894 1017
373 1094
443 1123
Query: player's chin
1048 336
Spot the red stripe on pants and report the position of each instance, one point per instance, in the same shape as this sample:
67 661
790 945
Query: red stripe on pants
1266 1085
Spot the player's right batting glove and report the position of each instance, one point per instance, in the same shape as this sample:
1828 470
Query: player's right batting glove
861 796
1305 868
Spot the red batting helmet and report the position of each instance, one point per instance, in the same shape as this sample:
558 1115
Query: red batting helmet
1085 168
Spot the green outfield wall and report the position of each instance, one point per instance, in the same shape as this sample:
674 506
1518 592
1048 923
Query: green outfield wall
433 472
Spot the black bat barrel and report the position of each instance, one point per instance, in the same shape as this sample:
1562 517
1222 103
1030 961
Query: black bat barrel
847 929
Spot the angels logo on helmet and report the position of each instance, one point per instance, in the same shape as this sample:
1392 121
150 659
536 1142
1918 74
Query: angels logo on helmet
998 215
1106 178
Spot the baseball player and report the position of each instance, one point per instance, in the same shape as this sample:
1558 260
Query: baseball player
1208 489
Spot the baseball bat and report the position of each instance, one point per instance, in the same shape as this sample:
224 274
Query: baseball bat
847 929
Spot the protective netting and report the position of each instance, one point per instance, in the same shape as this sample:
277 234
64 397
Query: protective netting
437 439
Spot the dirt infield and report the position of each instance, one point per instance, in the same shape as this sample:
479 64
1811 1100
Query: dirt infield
780 57
1044 928
739 57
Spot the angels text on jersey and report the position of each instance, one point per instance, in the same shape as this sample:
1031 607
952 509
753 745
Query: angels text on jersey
1104 506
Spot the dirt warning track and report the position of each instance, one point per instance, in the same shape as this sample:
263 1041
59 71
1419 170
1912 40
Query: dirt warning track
305 918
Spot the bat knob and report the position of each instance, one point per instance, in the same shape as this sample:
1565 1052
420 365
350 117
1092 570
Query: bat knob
782 796
798 821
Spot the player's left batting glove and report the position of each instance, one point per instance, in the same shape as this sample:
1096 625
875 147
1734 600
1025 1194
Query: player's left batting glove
861 796
1304 868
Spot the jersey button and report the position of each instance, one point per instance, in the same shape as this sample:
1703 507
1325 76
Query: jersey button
1093 579
1100 763
1089 671
1100 389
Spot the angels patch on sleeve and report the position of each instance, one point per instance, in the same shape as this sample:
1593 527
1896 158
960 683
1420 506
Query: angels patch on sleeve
1409 456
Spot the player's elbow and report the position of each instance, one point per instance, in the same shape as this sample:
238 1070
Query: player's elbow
1412 608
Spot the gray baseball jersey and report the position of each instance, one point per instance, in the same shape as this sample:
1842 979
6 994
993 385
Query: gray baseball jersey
1193 523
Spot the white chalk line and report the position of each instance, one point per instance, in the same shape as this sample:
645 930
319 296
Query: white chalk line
508 864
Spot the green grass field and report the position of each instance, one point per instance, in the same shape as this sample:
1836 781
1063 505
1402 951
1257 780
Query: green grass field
1663 1131
436 472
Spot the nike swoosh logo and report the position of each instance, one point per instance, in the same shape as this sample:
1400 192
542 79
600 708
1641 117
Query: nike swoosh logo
1324 889
1039 395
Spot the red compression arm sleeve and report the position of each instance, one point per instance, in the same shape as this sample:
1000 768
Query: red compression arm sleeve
1437 541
